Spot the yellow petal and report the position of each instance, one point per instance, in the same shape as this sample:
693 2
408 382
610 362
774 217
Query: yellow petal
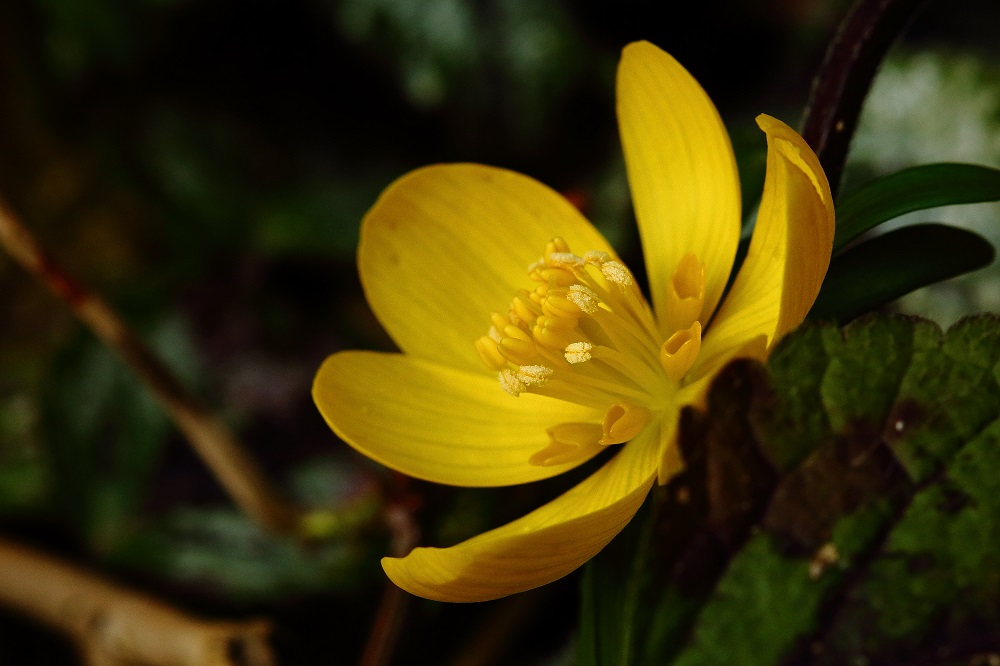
681 170
446 245
789 252
544 545
437 423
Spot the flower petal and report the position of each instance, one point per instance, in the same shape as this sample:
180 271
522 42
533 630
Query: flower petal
681 170
544 545
437 423
789 252
446 245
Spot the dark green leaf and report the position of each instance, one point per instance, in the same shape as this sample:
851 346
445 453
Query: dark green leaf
916 188
610 596
878 271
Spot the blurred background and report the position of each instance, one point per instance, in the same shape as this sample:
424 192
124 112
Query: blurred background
205 164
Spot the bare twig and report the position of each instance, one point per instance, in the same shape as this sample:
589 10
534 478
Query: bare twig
392 607
115 626
238 473
853 57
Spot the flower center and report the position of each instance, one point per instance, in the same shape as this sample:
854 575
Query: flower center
585 334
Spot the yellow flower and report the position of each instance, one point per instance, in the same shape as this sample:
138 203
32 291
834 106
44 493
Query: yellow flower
449 260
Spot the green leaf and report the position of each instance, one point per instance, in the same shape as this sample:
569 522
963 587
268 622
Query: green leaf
916 188
610 596
870 534
878 271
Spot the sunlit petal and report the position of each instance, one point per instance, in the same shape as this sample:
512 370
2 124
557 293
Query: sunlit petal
544 545
681 170
446 245
789 252
437 423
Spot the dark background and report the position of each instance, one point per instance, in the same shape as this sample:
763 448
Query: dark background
205 164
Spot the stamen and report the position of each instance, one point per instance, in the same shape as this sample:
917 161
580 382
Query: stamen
557 244
489 353
560 306
517 347
510 383
565 260
555 332
685 295
622 422
569 442
596 257
583 297
616 272
578 352
680 351
534 375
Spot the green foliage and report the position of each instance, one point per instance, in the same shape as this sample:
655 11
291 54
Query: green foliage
913 189
840 506
874 273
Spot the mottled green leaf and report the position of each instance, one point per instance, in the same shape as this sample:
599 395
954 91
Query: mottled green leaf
870 535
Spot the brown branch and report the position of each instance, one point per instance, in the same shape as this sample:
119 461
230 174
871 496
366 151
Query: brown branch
116 626
852 59
238 473
392 607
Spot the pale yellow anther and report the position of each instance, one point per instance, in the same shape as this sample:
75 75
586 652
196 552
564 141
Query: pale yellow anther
560 306
569 442
518 351
685 294
564 260
510 383
534 375
616 272
680 351
596 257
578 352
499 322
583 297
555 332
622 422
489 353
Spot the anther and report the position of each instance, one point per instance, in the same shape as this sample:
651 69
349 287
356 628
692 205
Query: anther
489 353
622 422
523 307
564 260
534 375
560 306
680 351
556 245
583 297
596 257
555 332
616 272
578 352
510 383
560 277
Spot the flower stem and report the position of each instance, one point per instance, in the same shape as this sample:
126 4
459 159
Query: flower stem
845 77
